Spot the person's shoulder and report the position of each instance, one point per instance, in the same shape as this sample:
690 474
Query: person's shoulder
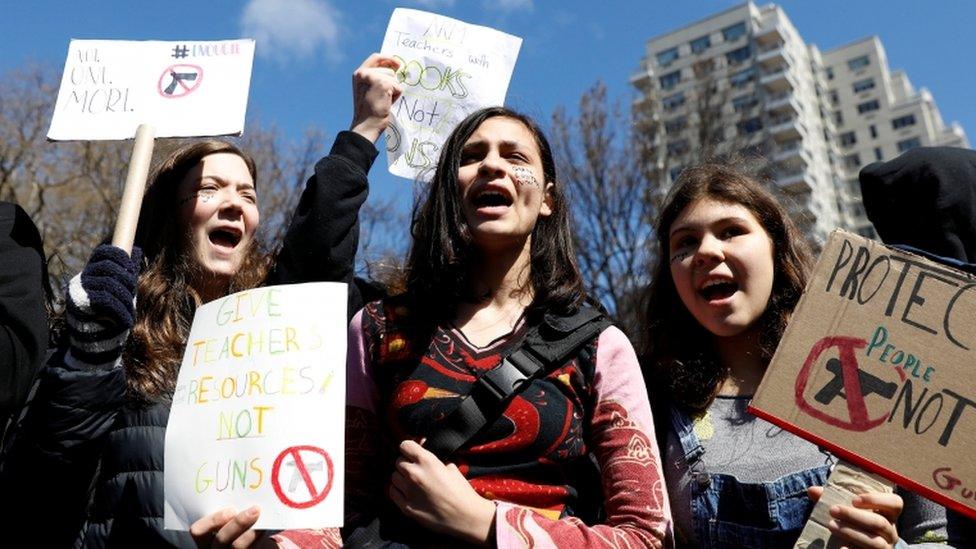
613 340
10 215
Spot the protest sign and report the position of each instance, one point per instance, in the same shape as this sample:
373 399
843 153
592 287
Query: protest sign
183 89
878 365
258 411
448 70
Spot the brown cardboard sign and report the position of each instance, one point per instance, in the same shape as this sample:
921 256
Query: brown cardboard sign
878 365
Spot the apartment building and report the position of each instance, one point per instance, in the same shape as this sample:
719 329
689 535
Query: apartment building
878 115
815 117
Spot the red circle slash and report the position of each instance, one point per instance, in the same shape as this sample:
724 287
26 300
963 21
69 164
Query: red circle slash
179 81
302 469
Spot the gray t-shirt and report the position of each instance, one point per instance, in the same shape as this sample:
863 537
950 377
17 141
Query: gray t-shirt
753 450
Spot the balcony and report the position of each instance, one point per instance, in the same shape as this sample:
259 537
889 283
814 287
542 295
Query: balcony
783 104
778 80
792 156
642 81
786 128
770 30
796 181
773 56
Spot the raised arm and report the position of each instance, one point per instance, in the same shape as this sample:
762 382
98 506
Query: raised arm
321 241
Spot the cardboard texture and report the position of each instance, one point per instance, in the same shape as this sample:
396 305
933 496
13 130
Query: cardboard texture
844 482
878 365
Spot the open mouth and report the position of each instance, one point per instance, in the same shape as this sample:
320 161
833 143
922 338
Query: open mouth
715 290
225 237
491 199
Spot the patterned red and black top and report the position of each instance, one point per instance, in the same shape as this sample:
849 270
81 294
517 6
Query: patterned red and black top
526 460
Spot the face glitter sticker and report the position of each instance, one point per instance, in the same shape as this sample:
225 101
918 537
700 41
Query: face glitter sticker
524 176
679 256
205 195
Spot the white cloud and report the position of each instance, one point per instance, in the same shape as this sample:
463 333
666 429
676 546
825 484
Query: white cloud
289 29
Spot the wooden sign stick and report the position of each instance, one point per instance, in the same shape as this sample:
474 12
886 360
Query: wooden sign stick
135 186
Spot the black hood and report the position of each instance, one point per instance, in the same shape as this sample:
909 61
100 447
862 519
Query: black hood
926 199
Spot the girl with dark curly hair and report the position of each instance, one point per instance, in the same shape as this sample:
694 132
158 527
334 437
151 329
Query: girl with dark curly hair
731 269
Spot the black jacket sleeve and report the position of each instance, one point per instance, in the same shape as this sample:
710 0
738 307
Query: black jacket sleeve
23 317
55 456
321 242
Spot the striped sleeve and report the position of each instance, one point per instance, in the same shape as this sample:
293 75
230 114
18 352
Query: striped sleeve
95 341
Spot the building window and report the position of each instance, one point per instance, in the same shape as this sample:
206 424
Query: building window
672 102
848 139
675 172
734 32
742 77
903 121
852 161
834 98
868 106
863 85
675 125
666 57
877 154
858 62
678 147
735 57
830 73
838 118
670 80
701 44
909 144
751 126
874 131
744 102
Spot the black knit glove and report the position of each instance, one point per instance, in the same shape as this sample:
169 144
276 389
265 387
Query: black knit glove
101 306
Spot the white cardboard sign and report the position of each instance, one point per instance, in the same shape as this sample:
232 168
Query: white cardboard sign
449 70
259 409
184 89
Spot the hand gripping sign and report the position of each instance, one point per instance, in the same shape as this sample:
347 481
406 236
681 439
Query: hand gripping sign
878 365
449 69
120 89
258 411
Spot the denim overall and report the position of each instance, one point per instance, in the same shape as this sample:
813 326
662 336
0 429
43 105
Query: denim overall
730 513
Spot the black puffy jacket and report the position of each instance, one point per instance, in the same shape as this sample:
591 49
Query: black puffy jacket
90 462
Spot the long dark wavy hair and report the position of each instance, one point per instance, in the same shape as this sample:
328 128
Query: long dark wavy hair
679 360
438 269
166 299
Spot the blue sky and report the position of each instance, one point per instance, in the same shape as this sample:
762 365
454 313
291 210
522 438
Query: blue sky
302 70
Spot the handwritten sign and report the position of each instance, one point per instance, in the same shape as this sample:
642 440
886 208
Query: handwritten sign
184 89
258 411
878 365
449 70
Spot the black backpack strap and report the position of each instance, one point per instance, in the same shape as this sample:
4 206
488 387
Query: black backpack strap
546 346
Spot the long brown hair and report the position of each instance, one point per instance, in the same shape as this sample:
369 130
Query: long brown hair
680 365
437 274
166 299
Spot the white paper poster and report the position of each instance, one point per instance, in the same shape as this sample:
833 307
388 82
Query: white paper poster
185 89
259 409
449 70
